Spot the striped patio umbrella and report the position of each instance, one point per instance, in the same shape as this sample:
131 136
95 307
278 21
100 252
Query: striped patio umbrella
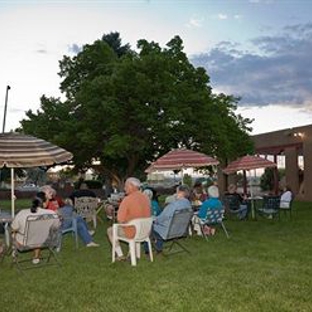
179 159
23 151
248 162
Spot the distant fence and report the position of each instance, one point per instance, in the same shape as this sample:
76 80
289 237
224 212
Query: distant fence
63 193
6 194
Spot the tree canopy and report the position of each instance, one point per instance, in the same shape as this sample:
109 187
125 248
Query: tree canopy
125 108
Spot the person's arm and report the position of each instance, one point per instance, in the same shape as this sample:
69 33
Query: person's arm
203 210
122 213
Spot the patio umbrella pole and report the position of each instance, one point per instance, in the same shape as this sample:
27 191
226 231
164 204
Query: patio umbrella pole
12 193
245 182
252 199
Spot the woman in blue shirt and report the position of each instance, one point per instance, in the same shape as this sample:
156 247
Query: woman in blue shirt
212 202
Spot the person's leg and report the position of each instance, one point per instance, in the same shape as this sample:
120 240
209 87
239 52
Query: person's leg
117 247
109 210
242 211
36 258
83 230
196 225
159 242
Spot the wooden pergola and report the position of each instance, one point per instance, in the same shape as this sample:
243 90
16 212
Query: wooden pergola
291 143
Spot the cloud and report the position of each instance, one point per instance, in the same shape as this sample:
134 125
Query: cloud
195 22
276 72
42 51
238 16
222 16
74 48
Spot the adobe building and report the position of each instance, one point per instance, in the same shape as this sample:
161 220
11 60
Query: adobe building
291 143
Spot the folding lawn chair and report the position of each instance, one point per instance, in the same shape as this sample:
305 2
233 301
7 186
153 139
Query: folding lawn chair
178 229
41 232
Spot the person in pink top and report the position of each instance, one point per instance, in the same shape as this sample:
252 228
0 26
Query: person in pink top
134 205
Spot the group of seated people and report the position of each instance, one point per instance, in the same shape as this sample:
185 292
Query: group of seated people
140 204
48 202
136 204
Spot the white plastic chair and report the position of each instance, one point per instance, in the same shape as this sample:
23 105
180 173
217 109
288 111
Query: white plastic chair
143 228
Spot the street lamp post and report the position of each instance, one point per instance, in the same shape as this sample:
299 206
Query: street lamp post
5 107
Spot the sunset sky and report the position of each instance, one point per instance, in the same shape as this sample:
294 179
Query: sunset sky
259 50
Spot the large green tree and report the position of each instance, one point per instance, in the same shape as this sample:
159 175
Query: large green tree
125 108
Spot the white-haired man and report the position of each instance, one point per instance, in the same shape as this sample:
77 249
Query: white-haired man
162 222
134 205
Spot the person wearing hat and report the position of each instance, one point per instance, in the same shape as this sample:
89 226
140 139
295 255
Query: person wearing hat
213 202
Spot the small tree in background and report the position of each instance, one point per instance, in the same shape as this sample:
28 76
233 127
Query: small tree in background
187 180
267 179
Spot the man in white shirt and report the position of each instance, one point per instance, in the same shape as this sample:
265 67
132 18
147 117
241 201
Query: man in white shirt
286 198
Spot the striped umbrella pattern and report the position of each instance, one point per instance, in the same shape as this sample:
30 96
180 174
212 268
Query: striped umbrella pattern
182 158
248 162
24 151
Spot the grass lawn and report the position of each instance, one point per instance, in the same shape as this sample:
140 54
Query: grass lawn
264 266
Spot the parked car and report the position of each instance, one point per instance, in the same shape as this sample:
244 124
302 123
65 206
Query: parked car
28 187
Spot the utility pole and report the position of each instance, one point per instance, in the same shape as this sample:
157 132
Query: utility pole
5 107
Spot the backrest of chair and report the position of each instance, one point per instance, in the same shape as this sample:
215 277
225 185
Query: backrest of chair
214 216
86 205
143 227
179 224
41 231
231 202
271 202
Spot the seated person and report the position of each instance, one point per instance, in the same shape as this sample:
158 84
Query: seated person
83 191
112 206
212 202
152 196
162 221
242 210
110 211
39 205
198 194
66 212
134 205
55 201
286 198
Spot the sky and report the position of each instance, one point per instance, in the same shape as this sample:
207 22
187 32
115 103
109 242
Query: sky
257 50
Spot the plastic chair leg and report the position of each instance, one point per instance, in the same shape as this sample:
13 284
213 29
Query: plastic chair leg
150 250
113 248
138 250
132 253
94 221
